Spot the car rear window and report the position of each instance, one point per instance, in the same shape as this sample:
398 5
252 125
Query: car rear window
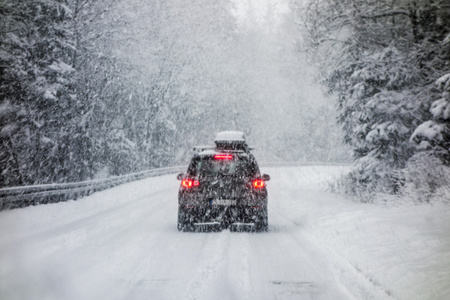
208 166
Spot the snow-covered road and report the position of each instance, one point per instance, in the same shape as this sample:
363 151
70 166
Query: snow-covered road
123 243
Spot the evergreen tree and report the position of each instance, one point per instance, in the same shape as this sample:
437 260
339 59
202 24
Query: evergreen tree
37 87
381 59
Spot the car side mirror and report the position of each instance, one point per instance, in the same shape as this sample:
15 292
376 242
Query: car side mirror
265 177
180 176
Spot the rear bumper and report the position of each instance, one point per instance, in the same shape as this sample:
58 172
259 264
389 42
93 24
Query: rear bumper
211 218
216 226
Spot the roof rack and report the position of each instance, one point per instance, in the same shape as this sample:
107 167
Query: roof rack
231 150
199 149
203 148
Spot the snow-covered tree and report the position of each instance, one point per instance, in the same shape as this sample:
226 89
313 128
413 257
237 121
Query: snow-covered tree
37 87
427 173
434 135
380 58
53 71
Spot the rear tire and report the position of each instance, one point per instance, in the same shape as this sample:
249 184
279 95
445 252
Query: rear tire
185 220
263 224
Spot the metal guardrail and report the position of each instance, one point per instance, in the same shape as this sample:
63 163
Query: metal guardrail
21 196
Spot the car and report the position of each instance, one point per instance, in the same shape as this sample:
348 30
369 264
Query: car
223 188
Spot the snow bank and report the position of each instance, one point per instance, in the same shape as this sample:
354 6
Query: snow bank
377 252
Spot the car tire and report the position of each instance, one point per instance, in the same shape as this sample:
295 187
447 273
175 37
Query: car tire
263 224
184 220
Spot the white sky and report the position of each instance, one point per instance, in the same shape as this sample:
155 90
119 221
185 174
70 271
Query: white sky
260 13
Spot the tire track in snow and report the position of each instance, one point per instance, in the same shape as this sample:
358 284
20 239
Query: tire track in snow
243 255
233 279
214 253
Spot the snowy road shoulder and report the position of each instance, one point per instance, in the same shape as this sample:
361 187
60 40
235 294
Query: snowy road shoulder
402 252
377 252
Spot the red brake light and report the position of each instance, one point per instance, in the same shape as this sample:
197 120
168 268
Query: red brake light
188 183
258 184
223 156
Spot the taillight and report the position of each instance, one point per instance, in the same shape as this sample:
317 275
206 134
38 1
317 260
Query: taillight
188 183
258 184
223 156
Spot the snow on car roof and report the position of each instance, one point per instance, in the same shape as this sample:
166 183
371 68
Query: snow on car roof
207 152
203 148
230 136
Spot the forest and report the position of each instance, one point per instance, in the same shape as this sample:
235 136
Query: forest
98 88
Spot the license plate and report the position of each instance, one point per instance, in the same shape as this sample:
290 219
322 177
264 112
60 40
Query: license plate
224 202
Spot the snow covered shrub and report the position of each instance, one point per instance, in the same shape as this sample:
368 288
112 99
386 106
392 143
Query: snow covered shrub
426 178
371 178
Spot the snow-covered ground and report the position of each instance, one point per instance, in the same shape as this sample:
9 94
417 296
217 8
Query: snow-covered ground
376 252
122 243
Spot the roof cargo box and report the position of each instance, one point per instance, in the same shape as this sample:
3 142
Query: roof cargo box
231 140
235 136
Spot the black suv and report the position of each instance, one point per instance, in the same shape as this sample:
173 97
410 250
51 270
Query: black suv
223 188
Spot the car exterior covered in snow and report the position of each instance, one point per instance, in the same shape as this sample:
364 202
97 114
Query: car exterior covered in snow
223 188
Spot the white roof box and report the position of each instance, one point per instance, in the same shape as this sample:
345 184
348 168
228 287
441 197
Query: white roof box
230 136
